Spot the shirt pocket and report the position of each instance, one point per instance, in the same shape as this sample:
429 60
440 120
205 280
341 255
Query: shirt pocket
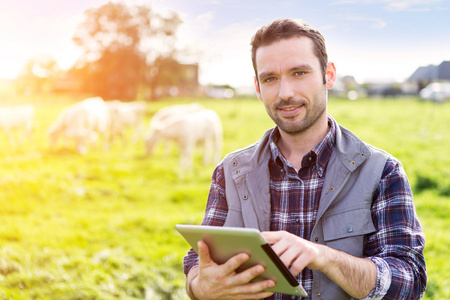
346 231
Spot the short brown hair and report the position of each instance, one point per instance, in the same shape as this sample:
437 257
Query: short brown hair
287 28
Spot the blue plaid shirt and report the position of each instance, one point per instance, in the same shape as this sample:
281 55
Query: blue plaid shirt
396 247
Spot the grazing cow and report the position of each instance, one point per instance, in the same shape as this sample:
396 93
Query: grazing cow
126 115
17 117
174 111
171 112
201 126
83 122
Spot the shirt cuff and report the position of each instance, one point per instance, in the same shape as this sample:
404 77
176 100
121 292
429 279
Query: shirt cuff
383 279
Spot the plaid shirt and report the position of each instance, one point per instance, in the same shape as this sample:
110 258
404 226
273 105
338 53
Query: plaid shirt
295 199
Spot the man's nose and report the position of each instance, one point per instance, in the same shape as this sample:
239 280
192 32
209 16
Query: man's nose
286 89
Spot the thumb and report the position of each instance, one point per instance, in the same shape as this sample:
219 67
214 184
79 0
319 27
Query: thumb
203 254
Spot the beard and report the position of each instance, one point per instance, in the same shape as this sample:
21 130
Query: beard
294 125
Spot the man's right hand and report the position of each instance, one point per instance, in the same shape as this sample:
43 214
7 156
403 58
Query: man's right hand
213 281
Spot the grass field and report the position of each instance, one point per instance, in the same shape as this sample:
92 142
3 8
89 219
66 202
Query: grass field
101 226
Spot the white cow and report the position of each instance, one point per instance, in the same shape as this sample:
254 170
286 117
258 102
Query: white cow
174 111
200 126
17 117
126 115
84 122
171 112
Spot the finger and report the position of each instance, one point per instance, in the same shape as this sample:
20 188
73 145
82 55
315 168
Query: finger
272 237
203 254
297 266
279 240
235 262
289 256
309 257
254 290
227 268
248 275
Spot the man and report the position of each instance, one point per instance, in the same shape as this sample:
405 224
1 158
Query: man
337 211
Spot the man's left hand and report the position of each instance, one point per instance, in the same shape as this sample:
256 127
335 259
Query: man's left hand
295 252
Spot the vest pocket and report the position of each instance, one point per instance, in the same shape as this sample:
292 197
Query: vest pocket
345 231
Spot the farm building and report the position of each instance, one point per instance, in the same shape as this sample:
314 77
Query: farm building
433 82
428 74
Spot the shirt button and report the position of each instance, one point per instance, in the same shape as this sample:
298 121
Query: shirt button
319 294
349 229
293 297
316 239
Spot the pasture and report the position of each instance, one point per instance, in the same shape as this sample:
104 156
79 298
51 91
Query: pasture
101 225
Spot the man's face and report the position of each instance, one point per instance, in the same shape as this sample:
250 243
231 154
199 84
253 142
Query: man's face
290 83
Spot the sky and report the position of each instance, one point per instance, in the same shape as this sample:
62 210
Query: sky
372 40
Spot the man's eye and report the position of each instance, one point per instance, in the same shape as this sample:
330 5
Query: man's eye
270 79
299 73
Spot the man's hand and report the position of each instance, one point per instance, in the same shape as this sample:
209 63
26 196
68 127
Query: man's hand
295 252
357 276
213 281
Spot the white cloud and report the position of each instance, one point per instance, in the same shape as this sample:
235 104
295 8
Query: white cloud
403 5
377 23
223 53
395 5
227 57
204 20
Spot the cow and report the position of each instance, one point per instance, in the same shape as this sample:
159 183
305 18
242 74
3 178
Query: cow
188 129
171 112
174 111
84 122
17 117
126 115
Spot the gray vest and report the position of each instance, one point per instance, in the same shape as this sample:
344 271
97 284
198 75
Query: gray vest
343 218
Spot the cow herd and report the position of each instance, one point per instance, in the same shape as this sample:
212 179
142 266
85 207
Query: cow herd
94 121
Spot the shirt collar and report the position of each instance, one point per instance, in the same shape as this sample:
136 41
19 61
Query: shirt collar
319 155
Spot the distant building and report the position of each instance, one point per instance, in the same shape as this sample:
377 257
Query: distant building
433 82
347 87
183 83
428 74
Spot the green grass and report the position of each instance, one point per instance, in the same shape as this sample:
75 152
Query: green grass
101 226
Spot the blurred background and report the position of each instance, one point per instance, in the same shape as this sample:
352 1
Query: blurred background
93 222
148 49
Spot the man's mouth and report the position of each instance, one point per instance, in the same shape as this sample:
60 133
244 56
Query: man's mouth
289 108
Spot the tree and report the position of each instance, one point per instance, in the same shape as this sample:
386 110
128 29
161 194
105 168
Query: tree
120 44
166 73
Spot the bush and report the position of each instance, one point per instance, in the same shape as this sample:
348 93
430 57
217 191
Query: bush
425 183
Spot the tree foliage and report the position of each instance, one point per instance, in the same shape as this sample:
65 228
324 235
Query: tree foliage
120 44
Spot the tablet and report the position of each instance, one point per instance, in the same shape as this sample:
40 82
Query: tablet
225 242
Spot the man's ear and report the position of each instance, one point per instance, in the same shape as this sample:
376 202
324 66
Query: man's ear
331 75
258 91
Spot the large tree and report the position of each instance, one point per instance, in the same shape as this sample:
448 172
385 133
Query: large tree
120 43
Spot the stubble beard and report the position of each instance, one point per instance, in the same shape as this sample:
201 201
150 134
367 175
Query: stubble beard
291 125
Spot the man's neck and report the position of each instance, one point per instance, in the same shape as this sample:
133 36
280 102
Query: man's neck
295 146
